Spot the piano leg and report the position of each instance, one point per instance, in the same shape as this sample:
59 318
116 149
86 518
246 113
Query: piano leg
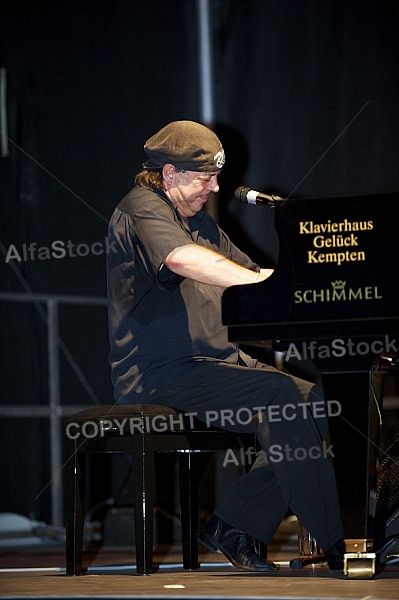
355 437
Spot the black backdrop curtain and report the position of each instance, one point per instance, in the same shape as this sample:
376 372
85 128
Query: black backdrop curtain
312 90
305 104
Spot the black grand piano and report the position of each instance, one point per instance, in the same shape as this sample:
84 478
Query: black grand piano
333 301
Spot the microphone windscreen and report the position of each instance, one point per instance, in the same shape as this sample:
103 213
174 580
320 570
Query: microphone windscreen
241 193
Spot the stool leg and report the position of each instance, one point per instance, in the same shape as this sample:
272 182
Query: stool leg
143 494
75 476
260 547
189 487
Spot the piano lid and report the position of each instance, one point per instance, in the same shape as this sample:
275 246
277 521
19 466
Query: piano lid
337 272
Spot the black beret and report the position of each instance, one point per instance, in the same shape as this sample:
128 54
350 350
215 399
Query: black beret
187 145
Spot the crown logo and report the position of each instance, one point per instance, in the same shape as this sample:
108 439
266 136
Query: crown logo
338 285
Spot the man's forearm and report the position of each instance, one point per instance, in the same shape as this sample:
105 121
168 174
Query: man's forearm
206 266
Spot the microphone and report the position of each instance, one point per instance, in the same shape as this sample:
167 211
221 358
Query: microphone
247 196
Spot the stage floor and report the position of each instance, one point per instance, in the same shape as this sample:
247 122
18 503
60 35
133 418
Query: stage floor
39 572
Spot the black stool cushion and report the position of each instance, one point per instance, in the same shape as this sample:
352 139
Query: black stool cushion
124 419
124 410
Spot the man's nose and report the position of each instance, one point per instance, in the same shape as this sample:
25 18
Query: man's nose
214 184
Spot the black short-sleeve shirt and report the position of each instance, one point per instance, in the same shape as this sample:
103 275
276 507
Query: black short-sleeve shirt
161 322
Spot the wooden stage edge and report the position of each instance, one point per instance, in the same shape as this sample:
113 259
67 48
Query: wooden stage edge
215 579
207 583
38 572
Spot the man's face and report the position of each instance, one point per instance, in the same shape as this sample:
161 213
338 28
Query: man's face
189 190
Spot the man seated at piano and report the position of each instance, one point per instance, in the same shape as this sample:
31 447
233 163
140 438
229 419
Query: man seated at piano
169 267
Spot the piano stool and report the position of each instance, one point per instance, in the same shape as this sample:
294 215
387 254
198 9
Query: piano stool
140 430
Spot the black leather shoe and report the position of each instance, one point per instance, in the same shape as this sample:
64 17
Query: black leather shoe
388 549
335 556
236 545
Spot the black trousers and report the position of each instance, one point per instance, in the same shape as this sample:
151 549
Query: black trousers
289 416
